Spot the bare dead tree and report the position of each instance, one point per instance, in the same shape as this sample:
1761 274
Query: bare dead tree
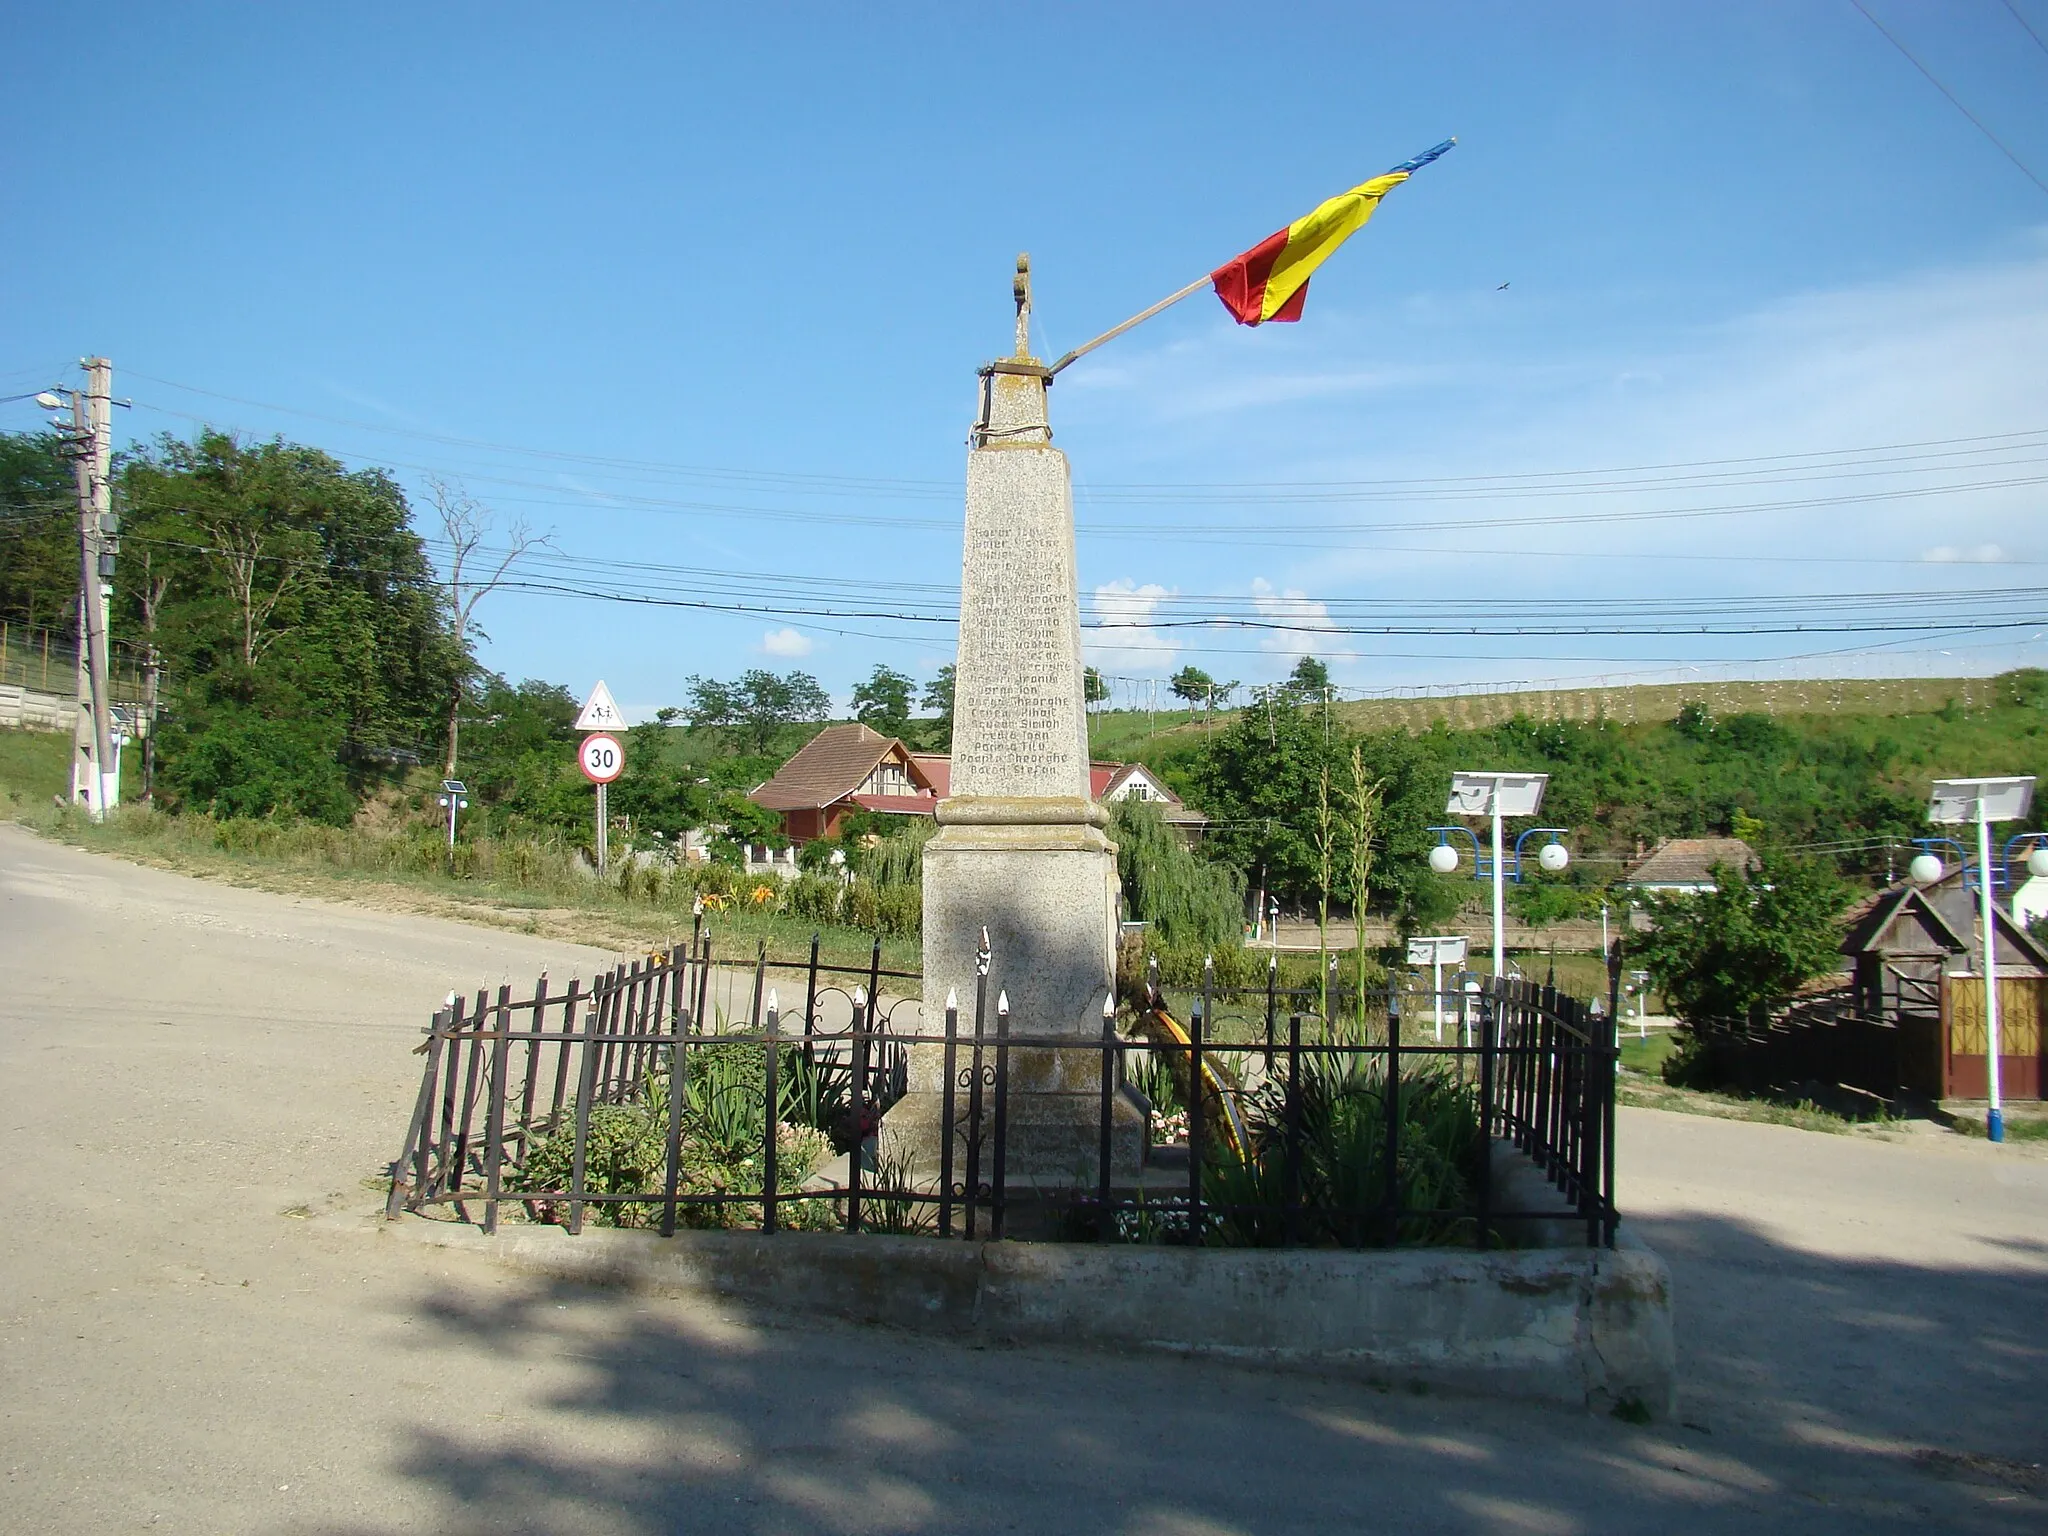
465 522
244 555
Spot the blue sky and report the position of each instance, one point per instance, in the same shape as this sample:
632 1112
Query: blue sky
701 292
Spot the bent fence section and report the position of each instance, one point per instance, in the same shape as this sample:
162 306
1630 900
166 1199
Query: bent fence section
675 1090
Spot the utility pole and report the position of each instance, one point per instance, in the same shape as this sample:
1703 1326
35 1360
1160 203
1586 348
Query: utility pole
95 773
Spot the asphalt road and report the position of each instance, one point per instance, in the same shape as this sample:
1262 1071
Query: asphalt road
192 1069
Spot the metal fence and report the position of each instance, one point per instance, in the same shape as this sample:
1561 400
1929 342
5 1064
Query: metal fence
1306 1112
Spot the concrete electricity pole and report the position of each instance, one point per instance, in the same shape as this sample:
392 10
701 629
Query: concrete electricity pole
95 774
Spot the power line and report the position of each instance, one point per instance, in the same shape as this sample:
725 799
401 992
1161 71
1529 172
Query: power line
2027 26
1294 535
1954 100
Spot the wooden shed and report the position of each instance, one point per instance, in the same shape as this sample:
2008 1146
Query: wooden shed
1917 959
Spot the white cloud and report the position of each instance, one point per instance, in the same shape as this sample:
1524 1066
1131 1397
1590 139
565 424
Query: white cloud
1978 554
1135 644
786 642
1303 616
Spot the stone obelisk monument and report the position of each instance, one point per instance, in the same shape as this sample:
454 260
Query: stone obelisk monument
1021 849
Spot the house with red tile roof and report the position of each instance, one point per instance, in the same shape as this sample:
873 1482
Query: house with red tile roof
848 768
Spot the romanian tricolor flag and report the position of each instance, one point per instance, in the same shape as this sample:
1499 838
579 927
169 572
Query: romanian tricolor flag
1270 281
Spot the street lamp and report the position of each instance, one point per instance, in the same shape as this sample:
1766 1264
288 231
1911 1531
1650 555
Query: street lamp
1497 796
1982 801
452 791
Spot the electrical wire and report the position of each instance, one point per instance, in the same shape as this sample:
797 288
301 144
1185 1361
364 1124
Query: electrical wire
1954 100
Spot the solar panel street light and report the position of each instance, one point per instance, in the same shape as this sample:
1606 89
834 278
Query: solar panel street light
1983 801
1988 800
1497 795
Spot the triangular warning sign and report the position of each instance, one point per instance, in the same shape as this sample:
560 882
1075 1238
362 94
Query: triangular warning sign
599 712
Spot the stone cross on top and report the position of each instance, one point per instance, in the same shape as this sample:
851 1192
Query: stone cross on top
1020 290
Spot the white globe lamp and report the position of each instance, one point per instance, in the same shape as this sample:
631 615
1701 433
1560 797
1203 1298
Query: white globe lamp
2037 861
1443 858
1553 858
1924 870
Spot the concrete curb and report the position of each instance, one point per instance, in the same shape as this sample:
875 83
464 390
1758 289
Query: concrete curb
1586 1327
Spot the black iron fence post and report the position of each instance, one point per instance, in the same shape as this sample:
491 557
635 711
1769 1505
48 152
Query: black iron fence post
1294 1126
444 1171
1272 989
856 1104
678 1091
494 1116
1197 1025
999 1200
418 1133
540 1016
811 1011
473 1040
947 1100
771 1029
1103 1151
974 1087
1391 1102
586 1086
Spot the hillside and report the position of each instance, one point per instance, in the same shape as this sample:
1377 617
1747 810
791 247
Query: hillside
1126 732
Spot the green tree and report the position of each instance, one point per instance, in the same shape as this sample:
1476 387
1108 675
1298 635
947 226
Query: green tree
1186 900
938 698
1094 688
1743 948
1260 779
283 588
883 701
1310 679
1192 686
755 707
38 532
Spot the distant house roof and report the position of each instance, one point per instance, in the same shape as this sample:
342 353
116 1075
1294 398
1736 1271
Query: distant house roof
937 768
1686 863
1940 919
838 764
831 767
1109 782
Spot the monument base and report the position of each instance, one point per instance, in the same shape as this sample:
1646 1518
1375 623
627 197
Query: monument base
1037 876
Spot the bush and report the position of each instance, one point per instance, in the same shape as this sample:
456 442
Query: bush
815 898
1341 1160
723 1127
243 765
1744 948
893 911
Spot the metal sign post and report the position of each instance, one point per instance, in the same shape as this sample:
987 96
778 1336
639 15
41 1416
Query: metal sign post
602 760
452 791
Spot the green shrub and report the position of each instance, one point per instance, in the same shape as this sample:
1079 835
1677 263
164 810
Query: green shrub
815 898
1342 1153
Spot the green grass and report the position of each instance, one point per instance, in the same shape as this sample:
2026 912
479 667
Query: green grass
1648 1056
526 885
34 765
2028 1129
1656 1094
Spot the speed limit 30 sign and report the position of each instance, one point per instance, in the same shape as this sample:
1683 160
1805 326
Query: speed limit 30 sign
601 758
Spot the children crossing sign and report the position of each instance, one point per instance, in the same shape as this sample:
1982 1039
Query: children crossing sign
599 712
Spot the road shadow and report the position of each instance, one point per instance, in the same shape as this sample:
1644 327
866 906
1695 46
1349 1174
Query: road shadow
1818 1396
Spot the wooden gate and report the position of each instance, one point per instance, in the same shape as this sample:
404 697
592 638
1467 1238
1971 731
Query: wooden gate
2020 1066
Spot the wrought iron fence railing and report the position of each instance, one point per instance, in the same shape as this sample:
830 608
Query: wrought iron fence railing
676 1091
